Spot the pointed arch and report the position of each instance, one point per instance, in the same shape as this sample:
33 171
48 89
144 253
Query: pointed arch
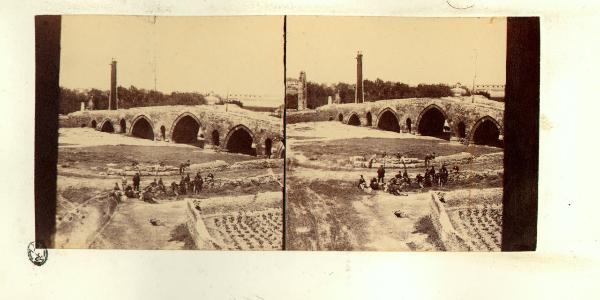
185 129
486 131
388 120
240 139
107 126
431 121
142 127
353 119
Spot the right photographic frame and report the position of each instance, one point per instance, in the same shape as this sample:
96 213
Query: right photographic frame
411 134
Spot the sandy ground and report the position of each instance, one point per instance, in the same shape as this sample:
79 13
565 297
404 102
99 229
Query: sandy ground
333 130
89 137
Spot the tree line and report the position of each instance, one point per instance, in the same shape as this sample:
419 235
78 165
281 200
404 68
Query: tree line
70 99
373 90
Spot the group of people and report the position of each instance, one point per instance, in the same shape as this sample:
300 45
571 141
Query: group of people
185 186
402 180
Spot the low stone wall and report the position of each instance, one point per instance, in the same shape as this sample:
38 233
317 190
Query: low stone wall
292 117
441 221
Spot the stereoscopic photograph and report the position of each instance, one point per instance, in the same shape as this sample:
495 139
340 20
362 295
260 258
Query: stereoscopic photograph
288 133
170 133
394 131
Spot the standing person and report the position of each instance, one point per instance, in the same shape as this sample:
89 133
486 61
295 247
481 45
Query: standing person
183 166
136 182
420 180
380 174
182 186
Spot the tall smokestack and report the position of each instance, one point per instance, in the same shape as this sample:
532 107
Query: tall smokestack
112 102
359 93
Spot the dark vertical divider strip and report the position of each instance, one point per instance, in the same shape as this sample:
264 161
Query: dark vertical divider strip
47 64
521 134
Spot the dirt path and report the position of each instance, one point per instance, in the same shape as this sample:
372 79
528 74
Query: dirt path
386 232
130 227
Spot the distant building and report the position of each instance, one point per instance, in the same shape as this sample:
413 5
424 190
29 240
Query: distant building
459 90
495 90
295 91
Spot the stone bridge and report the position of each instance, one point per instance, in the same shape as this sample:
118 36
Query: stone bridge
480 121
235 130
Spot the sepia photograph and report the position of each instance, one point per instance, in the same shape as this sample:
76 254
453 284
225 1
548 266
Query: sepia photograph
170 133
394 131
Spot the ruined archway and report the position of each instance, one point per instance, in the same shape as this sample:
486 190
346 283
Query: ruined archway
461 130
486 132
387 120
240 140
215 138
142 128
123 126
409 125
354 120
107 127
341 117
431 121
185 129
369 119
94 124
268 147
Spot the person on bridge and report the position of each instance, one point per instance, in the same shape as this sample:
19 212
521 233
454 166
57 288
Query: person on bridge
381 174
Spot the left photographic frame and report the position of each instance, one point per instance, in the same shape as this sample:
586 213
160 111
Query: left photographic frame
159 132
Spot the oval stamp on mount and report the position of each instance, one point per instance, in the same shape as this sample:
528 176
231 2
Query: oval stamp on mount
37 253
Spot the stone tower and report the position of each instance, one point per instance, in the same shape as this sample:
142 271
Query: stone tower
112 101
302 91
359 93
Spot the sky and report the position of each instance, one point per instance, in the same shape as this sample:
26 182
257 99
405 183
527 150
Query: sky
242 55
409 50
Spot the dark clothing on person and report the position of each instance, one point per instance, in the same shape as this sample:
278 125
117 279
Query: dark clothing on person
136 182
380 174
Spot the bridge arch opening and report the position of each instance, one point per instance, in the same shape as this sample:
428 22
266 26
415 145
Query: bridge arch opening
240 141
409 125
369 119
123 125
94 124
185 130
354 120
215 138
141 128
486 132
268 147
341 118
461 130
388 121
432 122
163 133
107 127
